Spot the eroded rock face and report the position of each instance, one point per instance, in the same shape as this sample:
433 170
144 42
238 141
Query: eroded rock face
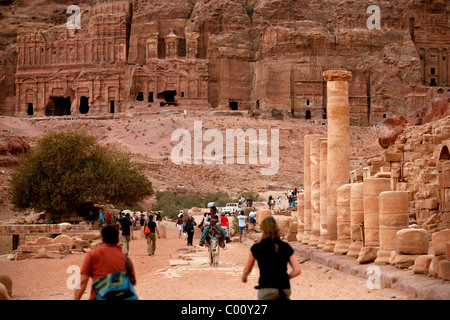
390 130
224 54
10 149
439 108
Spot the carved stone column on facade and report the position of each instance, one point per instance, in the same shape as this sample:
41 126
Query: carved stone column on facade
191 45
151 46
338 154
171 41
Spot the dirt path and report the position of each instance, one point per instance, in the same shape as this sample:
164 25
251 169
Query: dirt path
157 279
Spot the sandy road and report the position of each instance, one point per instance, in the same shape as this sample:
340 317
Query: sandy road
179 272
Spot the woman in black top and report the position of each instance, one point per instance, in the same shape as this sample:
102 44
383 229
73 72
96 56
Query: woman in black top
272 255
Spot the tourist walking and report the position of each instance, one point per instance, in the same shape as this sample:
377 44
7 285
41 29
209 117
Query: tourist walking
142 220
127 232
252 216
101 218
108 218
158 218
151 235
188 227
242 218
272 255
106 259
179 225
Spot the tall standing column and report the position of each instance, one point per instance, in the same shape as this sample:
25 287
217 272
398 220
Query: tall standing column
338 153
300 215
315 189
307 189
323 195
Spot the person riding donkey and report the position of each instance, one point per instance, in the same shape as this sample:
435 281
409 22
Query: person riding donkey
214 218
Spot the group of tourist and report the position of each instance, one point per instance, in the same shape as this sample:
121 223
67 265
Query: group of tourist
248 202
291 197
271 253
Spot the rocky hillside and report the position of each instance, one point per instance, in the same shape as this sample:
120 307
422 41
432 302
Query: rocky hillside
148 139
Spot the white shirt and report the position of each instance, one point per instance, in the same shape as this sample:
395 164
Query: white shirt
242 218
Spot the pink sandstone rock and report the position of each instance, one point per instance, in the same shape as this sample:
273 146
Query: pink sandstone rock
412 241
64 239
439 240
422 264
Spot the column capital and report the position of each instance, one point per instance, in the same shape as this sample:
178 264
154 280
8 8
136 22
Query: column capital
337 75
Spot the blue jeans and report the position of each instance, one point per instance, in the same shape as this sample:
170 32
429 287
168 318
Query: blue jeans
205 232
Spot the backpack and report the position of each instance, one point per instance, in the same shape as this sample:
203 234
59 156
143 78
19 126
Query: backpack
179 220
115 286
146 229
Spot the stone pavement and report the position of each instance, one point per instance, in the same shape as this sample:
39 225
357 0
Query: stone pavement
405 280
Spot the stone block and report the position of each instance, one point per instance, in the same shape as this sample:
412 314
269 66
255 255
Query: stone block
422 264
393 157
60 247
412 241
445 206
28 248
79 244
402 261
448 250
444 179
439 240
367 254
434 265
411 156
43 241
65 240
444 270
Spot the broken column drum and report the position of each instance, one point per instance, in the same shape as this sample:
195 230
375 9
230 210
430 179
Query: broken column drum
338 153
261 214
356 218
343 219
393 217
372 189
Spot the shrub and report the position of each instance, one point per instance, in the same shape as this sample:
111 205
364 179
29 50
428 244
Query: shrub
68 169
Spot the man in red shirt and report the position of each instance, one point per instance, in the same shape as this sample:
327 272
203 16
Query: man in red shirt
224 222
103 260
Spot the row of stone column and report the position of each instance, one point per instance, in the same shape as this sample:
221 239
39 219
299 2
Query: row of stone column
358 219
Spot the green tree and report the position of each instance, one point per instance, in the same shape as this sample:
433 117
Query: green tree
68 169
